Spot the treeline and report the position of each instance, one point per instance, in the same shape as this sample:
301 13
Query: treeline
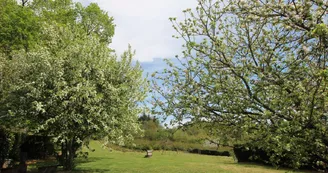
157 137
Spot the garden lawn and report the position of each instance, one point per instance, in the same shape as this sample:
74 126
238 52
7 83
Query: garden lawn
104 160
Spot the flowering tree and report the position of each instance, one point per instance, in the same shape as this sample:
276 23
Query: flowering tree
253 72
76 89
70 85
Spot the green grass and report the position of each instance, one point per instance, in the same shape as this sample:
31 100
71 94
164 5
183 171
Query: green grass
103 161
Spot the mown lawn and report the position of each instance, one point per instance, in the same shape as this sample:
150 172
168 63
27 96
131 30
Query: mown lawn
103 161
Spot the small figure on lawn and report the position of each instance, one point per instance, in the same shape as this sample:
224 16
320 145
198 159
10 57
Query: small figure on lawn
149 153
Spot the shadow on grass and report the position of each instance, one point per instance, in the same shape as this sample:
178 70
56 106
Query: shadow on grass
90 159
77 170
90 169
254 164
78 161
268 166
86 171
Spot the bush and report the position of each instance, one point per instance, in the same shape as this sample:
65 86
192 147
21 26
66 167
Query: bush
250 153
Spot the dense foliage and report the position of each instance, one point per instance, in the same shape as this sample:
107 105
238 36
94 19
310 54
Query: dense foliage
61 79
256 72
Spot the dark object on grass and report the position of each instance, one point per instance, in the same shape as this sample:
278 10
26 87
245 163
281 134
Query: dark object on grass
210 152
149 153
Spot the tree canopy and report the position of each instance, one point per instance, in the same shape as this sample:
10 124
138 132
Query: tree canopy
255 71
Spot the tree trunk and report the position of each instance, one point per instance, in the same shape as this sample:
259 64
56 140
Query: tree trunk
70 154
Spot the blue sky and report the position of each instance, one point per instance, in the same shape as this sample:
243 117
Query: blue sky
145 25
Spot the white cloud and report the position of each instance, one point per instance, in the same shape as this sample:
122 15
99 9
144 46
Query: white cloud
144 24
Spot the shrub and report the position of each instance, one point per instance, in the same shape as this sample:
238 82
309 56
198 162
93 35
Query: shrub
250 153
210 152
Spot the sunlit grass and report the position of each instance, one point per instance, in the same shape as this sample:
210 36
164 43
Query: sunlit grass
104 160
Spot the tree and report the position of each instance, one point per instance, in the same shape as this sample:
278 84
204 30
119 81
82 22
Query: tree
19 27
151 127
94 20
256 71
91 19
60 11
70 85
75 89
